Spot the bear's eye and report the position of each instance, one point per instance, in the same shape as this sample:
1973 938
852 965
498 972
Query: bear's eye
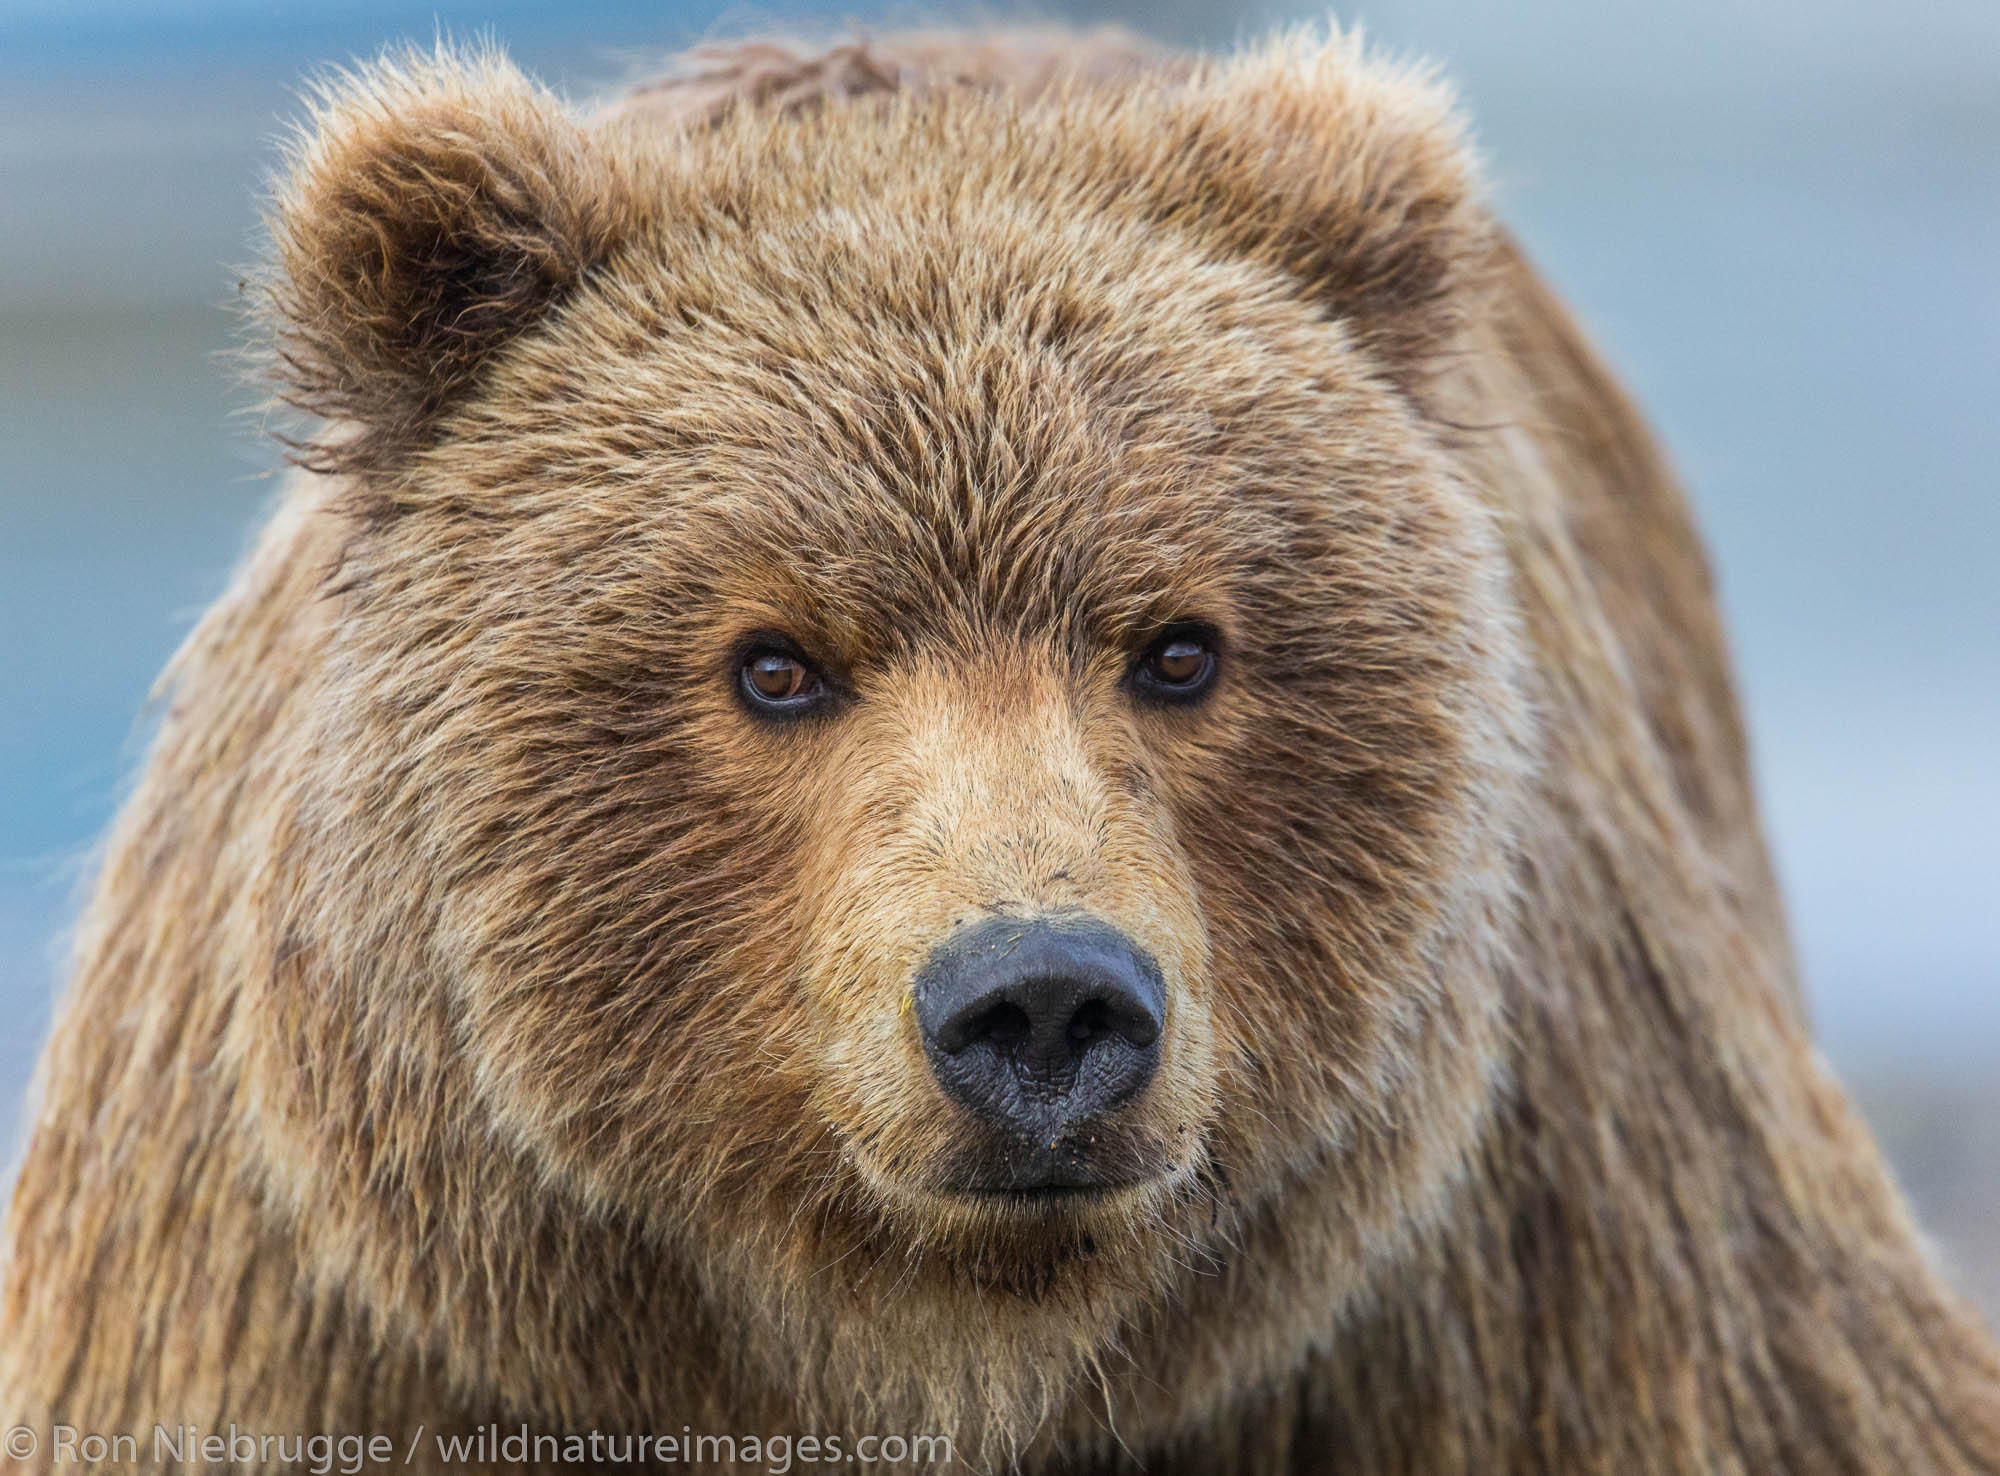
778 682
1178 667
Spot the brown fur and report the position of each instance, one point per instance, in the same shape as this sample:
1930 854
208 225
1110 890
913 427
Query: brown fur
480 1017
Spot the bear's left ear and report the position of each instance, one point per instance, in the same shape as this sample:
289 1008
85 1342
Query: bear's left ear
432 207
1352 175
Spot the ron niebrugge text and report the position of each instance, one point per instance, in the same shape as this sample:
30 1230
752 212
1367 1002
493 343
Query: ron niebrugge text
349 1455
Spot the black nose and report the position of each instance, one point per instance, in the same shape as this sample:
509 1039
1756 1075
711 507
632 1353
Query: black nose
1041 1024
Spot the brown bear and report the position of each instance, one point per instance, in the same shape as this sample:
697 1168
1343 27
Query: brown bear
997 740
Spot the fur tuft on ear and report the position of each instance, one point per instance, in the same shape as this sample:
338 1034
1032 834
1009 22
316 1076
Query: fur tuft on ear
1353 175
430 207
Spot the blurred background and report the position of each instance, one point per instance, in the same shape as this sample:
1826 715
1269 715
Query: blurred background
1780 220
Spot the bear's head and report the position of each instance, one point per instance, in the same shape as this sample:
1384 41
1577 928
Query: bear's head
913 702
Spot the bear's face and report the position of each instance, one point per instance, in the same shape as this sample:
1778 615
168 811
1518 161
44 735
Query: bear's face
913 715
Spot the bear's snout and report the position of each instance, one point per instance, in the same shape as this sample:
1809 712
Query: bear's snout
1041 1026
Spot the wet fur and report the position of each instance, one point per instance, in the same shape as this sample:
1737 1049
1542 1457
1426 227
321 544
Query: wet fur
478 1017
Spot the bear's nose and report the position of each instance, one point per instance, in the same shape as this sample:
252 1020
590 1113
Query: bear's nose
1040 1024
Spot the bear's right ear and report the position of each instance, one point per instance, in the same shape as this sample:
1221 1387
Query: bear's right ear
1352 175
432 207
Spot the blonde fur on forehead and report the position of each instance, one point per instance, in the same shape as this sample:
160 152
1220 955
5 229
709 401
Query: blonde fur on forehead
480 1019
438 205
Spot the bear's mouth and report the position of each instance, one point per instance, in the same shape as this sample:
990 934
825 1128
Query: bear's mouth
1037 1197
1046 1173
1061 1178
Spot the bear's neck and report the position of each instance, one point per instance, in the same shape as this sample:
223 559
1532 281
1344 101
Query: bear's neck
1676 1250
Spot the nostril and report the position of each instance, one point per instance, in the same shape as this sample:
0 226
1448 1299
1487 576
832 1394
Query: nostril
1090 1023
1125 1016
1004 1025
1100 1017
